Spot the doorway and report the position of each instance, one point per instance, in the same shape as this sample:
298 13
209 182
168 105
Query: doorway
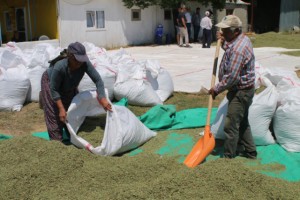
21 24
265 19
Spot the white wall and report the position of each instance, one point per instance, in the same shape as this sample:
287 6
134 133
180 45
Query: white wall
119 29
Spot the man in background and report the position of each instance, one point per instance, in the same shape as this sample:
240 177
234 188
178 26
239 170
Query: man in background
196 24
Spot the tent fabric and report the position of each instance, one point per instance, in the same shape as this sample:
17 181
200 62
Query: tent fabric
165 117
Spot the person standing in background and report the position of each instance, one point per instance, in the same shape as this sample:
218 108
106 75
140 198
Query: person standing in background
188 18
206 26
183 29
175 20
213 29
196 24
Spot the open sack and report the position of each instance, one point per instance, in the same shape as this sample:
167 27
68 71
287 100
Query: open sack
123 130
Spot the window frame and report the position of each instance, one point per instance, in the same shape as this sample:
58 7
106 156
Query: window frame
170 17
7 19
139 12
95 19
229 11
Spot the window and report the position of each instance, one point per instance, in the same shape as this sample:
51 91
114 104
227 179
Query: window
168 14
136 15
229 11
8 23
95 19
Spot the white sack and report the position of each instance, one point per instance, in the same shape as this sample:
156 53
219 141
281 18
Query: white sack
217 128
275 75
287 121
35 76
108 77
162 84
165 85
261 113
123 130
14 85
260 72
83 104
138 92
9 59
132 84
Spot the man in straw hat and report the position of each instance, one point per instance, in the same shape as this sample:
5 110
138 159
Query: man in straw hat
237 75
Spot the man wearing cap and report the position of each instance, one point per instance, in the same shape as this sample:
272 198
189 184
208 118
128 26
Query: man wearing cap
206 26
59 85
237 76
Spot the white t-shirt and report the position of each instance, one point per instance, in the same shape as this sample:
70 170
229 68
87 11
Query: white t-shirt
206 23
188 17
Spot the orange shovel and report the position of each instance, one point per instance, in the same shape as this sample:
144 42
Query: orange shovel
206 144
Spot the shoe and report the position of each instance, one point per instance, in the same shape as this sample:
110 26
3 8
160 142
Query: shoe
181 45
188 46
251 155
228 156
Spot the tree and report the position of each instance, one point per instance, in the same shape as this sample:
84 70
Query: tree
217 4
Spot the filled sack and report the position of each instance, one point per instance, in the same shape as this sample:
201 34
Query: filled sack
123 131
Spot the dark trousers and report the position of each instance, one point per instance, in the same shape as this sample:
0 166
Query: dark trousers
196 33
237 128
189 26
206 38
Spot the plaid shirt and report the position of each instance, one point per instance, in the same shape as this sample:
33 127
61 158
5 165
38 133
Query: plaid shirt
237 66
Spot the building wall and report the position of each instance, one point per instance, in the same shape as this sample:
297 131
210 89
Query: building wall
119 29
238 10
289 15
44 18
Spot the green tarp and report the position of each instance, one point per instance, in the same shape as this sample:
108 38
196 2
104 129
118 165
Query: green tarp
5 137
165 117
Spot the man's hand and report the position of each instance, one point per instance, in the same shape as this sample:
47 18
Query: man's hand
62 115
220 36
105 104
212 93
62 112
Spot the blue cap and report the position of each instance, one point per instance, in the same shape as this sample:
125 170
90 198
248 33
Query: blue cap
78 50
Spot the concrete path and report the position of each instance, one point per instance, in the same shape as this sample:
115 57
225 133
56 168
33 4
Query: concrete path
191 68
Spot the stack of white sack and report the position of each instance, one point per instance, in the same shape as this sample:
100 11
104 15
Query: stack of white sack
123 131
278 103
38 61
14 81
143 83
102 63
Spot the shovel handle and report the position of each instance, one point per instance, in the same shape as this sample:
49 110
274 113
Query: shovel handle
213 80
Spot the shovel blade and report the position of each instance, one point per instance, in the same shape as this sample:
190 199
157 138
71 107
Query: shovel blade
201 150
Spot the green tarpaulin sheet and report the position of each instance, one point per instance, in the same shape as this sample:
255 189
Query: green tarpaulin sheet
5 137
165 117
45 135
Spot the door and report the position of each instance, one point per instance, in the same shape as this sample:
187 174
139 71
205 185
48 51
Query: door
21 24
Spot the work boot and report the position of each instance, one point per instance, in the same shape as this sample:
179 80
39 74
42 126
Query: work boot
250 155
